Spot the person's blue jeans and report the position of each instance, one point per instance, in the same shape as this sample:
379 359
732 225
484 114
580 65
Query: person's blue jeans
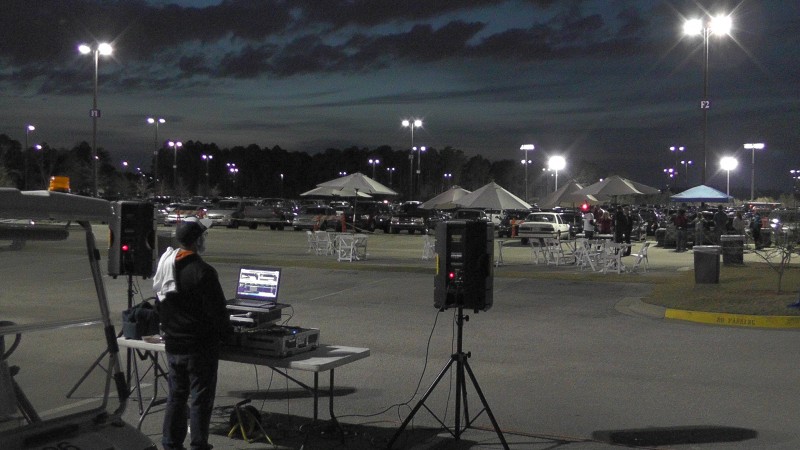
194 376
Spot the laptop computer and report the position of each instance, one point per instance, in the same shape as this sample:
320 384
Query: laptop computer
257 287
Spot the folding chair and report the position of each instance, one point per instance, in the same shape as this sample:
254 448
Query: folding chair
538 251
346 250
428 247
324 243
641 258
312 242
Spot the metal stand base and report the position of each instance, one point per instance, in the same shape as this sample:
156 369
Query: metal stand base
462 365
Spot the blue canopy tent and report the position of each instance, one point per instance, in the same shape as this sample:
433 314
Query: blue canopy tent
702 193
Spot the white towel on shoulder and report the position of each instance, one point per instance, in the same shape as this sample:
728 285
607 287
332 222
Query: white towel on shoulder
164 279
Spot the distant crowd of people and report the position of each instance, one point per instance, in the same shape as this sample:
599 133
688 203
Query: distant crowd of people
598 220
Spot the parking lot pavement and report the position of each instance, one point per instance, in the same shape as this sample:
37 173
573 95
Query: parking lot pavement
559 364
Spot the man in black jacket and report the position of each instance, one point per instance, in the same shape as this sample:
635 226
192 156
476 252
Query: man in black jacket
194 321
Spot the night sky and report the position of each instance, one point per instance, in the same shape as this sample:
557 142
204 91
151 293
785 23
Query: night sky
609 82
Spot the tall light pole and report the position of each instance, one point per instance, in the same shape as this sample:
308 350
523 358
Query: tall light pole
718 25
419 168
175 145
281 187
156 121
753 147
556 163
233 170
374 162
675 150
686 163
207 159
104 49
391 171
411 124
446 182
728 163
670 173
526 162
28 129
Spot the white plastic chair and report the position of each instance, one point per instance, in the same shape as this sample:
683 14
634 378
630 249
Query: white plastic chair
324 243
428 247
312 242
538 251
640 259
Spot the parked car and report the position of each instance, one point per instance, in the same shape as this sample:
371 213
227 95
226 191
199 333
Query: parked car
225 211
372 215
540 225
410 217
784 226
184 210
470 214
315 218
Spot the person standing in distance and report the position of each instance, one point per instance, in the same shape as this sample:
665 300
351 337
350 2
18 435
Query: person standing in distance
194 322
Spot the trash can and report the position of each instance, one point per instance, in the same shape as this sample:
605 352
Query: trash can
732 249
706 263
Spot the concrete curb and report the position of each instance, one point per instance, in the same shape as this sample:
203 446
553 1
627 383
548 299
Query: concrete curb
636 306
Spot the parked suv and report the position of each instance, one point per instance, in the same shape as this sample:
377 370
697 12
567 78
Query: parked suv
410 217
371 216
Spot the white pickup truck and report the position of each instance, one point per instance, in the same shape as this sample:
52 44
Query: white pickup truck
540 225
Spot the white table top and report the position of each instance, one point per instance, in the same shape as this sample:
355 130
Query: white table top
323 358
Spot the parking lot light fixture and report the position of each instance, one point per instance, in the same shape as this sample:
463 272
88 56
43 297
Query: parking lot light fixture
175 145
719 25
728 163
556 163
104 49
374 162
526 162
753 147
391 171
156 121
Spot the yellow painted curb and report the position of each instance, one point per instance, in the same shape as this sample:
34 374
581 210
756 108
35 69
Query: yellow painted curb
739 320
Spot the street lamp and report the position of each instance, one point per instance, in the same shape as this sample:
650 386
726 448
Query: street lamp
556 163
675 150
411 124
175 145
526 162
342 173
728 163
373 163
753 147
419 168
670 173
391 171
104 49
28 129
233 170
718 25
38 148
281 190
207 159
686 163
447 177
156 121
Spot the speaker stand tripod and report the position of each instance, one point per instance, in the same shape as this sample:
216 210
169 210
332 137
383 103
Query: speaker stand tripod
460 360
97 362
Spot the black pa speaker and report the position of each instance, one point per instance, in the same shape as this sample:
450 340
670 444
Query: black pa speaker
464 261
131 246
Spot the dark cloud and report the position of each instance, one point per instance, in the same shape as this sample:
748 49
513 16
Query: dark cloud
252 38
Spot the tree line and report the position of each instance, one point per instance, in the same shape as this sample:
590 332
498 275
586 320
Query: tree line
272 172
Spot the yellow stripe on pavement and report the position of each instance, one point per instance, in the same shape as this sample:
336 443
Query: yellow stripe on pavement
739 320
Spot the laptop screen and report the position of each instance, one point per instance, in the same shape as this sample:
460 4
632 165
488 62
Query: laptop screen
258 283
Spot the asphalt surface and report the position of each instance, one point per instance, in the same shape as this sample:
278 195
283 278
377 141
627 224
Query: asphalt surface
562 363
